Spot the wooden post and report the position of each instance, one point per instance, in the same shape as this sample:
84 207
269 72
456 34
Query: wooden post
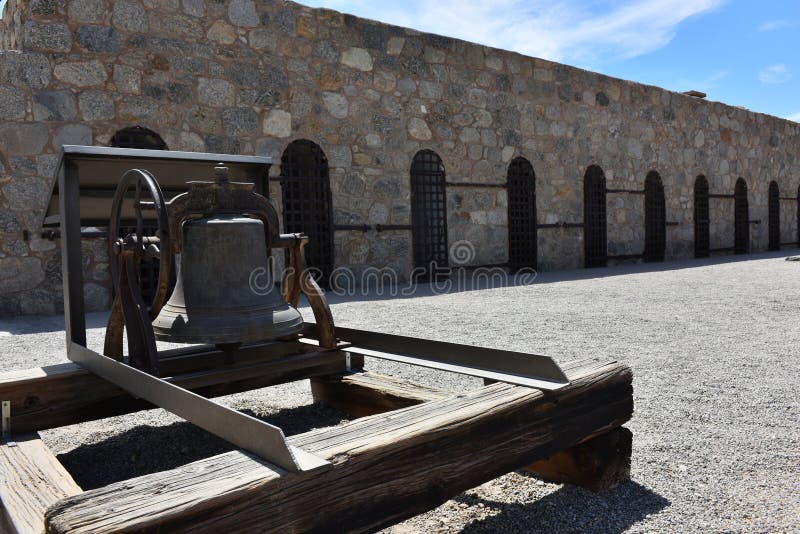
31 479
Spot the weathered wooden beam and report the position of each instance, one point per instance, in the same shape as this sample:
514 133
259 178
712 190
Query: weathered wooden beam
367 393
66 394
386 467
31 480
597 464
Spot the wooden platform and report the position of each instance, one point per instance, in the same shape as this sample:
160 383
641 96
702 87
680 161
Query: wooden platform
418 448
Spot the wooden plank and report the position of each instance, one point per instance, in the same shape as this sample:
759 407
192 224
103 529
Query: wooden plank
66 394
362 394
386 467
32 480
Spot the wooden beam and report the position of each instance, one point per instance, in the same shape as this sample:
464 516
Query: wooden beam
386 467
66 394
362 394
31 481
597 464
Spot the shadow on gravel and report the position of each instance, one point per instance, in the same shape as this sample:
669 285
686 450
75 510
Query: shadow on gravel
569 509
150 449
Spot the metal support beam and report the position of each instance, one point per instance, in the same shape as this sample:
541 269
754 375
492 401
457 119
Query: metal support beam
531 370
244 431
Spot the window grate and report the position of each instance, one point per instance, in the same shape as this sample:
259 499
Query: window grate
774 216
702 221
306 191
522 236
428 213
655 218
594 217
741 218
138 137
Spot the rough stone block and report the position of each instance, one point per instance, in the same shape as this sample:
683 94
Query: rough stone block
12 103
54 106
129 16
86 10
98 38
243 13
278 123
72 134
19 274
357 58
215 92
238 121
96 105
23 139
45 36
81 73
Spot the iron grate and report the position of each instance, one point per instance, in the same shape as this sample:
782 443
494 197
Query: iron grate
306 193
138 137
741 218
655 218
798 215
774 209
702 221
428 213
522 236
594 217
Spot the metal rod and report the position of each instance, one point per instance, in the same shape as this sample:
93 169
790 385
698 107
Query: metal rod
385 227
242 430
531 370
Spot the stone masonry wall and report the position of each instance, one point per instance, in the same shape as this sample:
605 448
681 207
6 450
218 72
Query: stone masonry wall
247 77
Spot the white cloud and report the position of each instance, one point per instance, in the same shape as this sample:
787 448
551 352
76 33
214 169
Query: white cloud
574 31
772 25
795 117
774 74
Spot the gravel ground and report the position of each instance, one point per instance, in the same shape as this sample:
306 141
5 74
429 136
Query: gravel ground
713 345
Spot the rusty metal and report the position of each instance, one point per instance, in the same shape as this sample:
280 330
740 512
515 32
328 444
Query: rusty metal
522 223
307 202
428 214
741 224
655 219
702 231
774 208
595 241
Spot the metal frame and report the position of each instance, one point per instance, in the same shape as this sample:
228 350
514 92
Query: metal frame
595 240
307 201
428 213
655 219
741 220
702 218
522 223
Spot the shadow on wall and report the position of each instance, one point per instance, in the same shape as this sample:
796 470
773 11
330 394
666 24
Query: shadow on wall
570 509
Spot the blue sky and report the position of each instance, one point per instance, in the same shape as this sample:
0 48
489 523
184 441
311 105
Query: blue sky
741 52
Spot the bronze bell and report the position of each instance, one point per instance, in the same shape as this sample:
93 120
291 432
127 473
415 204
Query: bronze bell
224 292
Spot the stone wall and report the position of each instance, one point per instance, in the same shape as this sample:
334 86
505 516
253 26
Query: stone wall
249 77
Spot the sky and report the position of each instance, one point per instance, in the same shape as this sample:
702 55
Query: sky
741 52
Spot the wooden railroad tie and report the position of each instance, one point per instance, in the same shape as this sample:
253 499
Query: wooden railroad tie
414 448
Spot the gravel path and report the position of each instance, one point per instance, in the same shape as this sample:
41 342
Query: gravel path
714 350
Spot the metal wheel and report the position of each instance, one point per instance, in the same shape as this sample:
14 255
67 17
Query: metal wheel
158 246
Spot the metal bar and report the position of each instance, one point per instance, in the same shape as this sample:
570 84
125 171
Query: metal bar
72 265
385 227
561 225
5 417
52 235
531 370
473 184
353 227
628 191
244 431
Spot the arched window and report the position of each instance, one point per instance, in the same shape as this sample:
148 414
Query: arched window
594 217
702 222
741 218
428 212
655 218
521 183
138 137
306 193
798 216
774 209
